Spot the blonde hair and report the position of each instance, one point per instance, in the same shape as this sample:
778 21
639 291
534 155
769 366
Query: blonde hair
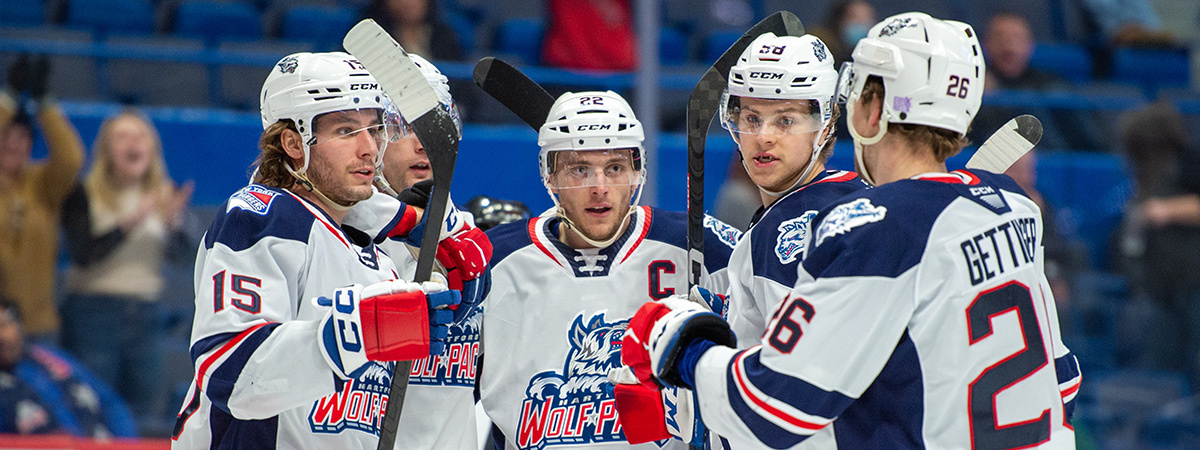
945 143
100 177
271 167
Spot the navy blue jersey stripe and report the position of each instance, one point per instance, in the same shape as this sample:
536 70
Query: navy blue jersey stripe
794 391
508 238
229 433
209 343
889 414
763 429
220 384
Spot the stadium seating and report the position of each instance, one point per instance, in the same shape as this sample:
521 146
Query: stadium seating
73 76
672 46
158 82
716 43
1072 62
1152 68
22 13
111 16
322 26
215 21
521 39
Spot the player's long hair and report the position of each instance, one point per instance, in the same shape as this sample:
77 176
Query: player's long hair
271 165
945 143
99 180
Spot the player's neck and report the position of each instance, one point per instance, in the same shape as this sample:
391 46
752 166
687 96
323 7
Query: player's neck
315 199
896 158
769 199
570 236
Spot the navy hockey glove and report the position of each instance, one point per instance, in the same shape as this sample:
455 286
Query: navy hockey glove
388 321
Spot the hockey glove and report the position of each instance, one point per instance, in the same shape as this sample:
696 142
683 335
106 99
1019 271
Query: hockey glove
658 343
649 413
388 321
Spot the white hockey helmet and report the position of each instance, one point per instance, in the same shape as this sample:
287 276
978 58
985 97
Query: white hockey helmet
932 72
592 121
783 68
302 86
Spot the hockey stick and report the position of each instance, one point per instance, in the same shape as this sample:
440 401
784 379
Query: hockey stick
702 106
1008 144
418 103
513 89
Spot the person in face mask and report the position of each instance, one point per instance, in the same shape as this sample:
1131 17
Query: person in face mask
847 22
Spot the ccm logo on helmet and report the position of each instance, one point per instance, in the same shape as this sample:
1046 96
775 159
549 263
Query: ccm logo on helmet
766 75
364 86
593 127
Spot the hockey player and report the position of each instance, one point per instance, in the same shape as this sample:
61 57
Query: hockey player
564 284
276 365
780 109
921 317
441 387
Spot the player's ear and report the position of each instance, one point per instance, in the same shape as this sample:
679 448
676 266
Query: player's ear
290 140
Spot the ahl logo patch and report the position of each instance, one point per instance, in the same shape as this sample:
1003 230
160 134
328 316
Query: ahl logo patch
253 198
289 64
793 234
725 232
847 216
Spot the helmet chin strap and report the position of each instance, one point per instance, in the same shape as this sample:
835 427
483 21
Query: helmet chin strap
302 178
860 140
381 182
562 215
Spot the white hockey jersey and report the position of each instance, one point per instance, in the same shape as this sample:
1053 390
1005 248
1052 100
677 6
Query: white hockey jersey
762 269
921 319
555 316
261 380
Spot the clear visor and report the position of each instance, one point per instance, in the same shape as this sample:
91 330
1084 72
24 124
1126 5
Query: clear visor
747 115
591 168
379 124
845 82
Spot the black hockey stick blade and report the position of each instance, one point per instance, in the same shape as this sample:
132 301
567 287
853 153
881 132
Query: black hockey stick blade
515 90
418 103
1008 144
702 106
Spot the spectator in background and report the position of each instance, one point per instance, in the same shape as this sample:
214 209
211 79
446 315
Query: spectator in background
590 34
1127 23
1008 45
31 194
846 23
43 392
122 223
1160 237
415 25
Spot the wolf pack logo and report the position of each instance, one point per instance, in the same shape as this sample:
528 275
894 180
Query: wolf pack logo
896 25
576 406
254 198
456 365
793 234
819 50
289 64
358 405
846 216
725 232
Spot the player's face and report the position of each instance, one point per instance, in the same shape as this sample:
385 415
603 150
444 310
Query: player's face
343 157
131 147
780 146
10 339
405 162
594 189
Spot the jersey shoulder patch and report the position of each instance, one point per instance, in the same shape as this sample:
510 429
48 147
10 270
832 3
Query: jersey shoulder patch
847 216
792 237
727 234
253 198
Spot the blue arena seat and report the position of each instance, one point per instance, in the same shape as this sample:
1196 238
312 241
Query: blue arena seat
22 12
111 16
672 46
214 21
165 82
716 43
521 38
1069 61
322 26
1152 68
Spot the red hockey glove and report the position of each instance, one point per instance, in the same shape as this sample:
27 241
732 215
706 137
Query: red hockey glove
389 321
660 332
